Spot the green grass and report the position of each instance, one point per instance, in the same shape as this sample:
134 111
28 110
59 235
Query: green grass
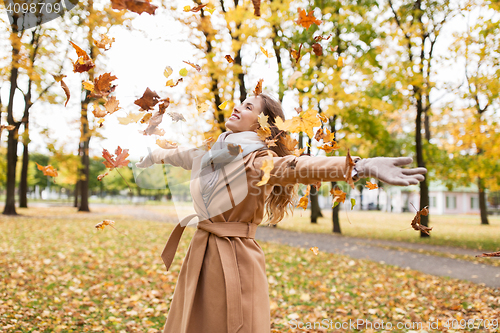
59 274
463 231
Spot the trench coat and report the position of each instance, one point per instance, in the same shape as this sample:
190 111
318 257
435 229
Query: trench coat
222 286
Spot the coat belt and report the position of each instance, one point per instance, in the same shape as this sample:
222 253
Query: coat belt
222 230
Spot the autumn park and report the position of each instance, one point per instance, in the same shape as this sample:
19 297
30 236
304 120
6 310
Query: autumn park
106 107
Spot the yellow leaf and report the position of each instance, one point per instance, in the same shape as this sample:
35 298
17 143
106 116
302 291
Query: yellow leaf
223 105
183 72
340 62
187 8
210 10
266 53
168 71
314 250
166 144
267 166
130 118
304 122
263 120
87 85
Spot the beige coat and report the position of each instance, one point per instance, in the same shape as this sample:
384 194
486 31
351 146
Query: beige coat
222 286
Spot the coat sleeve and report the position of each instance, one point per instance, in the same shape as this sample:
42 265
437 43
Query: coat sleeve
180 157
303 169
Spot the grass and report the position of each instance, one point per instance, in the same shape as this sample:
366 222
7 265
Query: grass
59 274
463 231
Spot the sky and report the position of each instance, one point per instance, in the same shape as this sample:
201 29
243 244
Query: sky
138 58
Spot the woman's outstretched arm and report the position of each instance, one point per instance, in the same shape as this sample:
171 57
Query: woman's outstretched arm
180 157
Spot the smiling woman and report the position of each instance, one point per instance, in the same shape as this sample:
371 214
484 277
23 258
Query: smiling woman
222 286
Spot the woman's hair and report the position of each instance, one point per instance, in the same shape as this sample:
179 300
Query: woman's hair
281 197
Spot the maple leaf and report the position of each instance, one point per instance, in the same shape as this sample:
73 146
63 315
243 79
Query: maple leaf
47 170
371 186
176 116
197 67
415 223
298 152
59 78
136 6
280 124
271 143
491 254
164 104
234 149
111 105
98 112
83 63
102 85
263 120
318 49
304 122
338 196
267 166
229 58
264 133
166 144
256 7
314 250
289 142
329 147
349 165
117 161
258 87
104 43
148 100
296 54
130 118
306 20
304 200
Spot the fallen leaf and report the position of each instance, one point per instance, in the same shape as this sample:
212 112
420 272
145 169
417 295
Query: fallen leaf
305 20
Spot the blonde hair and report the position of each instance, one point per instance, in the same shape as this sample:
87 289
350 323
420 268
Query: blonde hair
281 197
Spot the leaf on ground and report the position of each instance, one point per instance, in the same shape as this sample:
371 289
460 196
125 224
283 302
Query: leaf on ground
491 254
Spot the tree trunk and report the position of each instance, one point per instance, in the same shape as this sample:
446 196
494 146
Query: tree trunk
482 201
77 192
424 189
23 183
335 215
315 209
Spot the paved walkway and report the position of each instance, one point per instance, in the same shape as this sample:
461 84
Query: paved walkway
362 249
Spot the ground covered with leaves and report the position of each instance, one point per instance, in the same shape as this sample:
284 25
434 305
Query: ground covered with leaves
60 274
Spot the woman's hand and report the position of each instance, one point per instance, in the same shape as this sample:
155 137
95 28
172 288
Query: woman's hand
150 159
387 169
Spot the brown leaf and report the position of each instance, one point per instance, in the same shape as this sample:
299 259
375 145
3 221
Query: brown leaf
234 149
229 58
256 7
148 100
102 85
349 165
258 87
111 105
83 63
296 54
319 38
104 43
136 6
47 170
318 49
415 223
197 67
66 91
170 83
100 177
492 254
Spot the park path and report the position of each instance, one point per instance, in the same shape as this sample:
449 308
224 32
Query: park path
359 248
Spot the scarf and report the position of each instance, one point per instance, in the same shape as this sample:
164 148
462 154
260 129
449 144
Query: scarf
218 156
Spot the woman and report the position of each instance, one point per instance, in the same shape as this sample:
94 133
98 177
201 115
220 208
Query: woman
222 286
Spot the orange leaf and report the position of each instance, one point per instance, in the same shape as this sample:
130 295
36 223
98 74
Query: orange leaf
83 63
104 43
258 87
338 195
117 161
267 166
229 58
102 85
371 186
314 250
492 254
349 165
306 20
148 100
136 6
318 49
415 223
47 170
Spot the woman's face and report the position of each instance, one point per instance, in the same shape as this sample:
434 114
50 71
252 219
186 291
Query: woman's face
244 116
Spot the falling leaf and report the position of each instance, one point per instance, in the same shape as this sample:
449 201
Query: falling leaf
130 118
267 166
323 118
87 85
176 116
288 142
371 186
136 6
267 54
262 119
258 87
83 63
146 118
100 123
66 91
47 170
334 49
296 54
280 124
349 165
340 62
170 83
314 250
306 20
208 142
202 107
229 58
194 9
353 203
304 200
338 195
293 78
102 85
223 105
329 147
117 161
98 112
100 177
166 144
104 43
318 49
164 105
256 7
7 127
304 122
111 105
270 143
183 72
264 133
415 223
319 38
210 10
148 100
492 254
197 67
168 71
234 149
101 225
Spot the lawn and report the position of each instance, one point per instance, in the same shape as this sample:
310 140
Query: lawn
59 274
463 231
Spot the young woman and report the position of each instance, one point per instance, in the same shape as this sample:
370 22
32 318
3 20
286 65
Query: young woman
222 286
